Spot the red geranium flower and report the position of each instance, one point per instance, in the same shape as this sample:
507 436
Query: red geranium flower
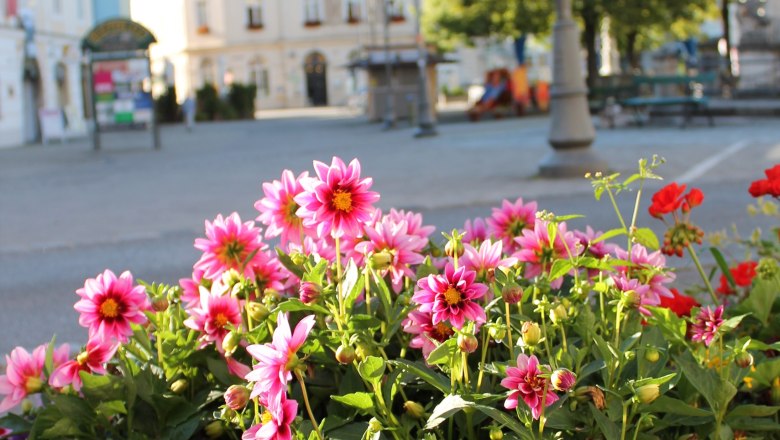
667 200
769 186
692 199
679 303
743 275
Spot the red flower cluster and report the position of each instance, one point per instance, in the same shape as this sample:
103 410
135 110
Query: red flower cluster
769 186
743 276
670 198
679 304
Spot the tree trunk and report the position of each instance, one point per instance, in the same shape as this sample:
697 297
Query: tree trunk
724 16
590 18
631 53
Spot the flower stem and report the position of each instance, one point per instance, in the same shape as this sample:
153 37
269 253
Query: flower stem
618 319
465 367
619 215
546 337
338 278
306 402
544 404
509 333
706 280
624 428
482 362
160 325
636 211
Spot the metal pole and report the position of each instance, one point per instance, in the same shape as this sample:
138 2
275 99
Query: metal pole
390 98
571 129
93 106
425 123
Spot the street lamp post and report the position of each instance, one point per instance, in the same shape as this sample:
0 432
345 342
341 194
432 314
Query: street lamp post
389 120
425 124
571 129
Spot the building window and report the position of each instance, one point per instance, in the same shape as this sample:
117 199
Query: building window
201 17
254 14
396 10
311 13
354 11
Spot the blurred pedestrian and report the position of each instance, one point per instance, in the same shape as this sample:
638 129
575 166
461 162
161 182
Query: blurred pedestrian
188 108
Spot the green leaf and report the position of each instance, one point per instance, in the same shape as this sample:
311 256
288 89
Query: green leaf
666 404
442 355
559 268
361 401
654 380
15 423
112 408
609 234
759 302
63 428
503 418
447 407
296 305
287 262
74 408
724 267
563 218
752 411
351 285
672 326
371 369
591 368
646 237
417 369
352 431
713 388
607 427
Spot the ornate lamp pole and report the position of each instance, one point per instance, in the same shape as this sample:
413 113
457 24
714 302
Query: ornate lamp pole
425 124
389 120
571 129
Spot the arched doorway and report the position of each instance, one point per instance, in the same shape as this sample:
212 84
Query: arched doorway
315 68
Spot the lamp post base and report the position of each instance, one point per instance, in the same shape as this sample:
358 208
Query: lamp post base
571 162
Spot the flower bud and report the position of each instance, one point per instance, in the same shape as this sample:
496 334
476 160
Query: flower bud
563 379
381 260
414 409
298 258
648 393
454 247
531 333
309 292
180 386
512 293
27 406
496 433
744 359
231 277
374 425
652 355
215 429
558 314
257 311
160 304
497 332
631 299
236 397
230 342
345 354
467 343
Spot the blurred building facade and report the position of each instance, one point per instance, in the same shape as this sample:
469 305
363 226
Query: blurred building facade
103 10
295 51
40 66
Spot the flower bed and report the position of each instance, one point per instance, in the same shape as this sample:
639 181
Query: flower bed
364 325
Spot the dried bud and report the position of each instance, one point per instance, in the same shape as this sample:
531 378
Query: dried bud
648 393
180 386
380 260
496 433
230 342
563 379
257 311
744 359
215 429
582 394
160 304
652 355
558 314
512 293
467 343
309 292
345 354
531 333
236 397
414 409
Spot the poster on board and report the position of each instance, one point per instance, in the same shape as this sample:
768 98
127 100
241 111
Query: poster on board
120 99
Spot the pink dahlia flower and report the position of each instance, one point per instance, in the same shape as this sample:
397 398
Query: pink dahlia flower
270 273
323 247
451 296
643 293
213 315
92 360
236 368
392 237
511 220
109 305
485 260
650 269
706 325
427 334
414 224
539 254
338 201
526 382
190 288
229 244
276 360
596 249
278 208
23 376
276 421
475 232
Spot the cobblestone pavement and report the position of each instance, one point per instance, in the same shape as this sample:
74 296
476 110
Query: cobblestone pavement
67 212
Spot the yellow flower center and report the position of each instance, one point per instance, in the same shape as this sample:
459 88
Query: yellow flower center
233 253
452 296
748 382
266 418
33 385
220 320
109 308
82 358
342 200
441 332
289 212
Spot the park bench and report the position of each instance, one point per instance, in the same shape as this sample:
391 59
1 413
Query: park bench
690 95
